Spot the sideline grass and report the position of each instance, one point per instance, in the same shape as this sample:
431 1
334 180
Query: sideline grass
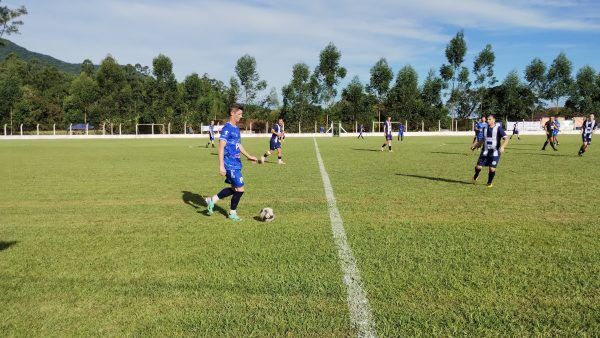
108 237
442 257
111 239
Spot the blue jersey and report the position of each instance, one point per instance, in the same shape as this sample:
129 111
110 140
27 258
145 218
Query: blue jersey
231 156
479 129
400 129
211 130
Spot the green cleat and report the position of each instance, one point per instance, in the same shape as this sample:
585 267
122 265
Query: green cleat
234 217
209 205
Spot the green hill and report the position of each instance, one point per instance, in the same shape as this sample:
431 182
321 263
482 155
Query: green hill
10 47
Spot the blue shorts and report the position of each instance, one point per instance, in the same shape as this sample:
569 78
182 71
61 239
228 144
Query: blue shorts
388 137
515 132
488 161
274 144
235 178
554 133
586 138
212 137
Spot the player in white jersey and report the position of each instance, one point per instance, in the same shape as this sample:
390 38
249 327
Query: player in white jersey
211 134
387 130
587 130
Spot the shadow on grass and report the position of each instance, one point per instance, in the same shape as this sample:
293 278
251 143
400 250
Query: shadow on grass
5 245
451 153
438 179
552 154
197 202
520 149
361 149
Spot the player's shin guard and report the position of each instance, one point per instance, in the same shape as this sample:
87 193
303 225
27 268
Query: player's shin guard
477 171
235 200
390 148
491 177
226 192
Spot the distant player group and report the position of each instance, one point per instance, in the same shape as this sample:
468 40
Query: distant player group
489 136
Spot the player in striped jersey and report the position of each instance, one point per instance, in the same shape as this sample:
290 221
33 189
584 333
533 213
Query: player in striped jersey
387 130
494 142
211 134
275 142
587 131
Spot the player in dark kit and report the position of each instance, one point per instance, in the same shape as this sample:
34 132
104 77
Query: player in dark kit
387 130
211 134
549 128
275 142
230 164
361 129
515 131
494 143
587 130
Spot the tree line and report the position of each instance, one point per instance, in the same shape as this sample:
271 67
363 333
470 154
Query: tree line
33 93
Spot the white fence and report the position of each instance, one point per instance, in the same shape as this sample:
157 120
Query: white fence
333 129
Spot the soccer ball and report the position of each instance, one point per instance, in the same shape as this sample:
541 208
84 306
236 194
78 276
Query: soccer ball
266 215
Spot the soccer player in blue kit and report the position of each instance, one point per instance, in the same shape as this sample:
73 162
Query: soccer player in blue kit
387 130
211 134
230 164
556 131
479 131
494 143
275 142
401 132
587 130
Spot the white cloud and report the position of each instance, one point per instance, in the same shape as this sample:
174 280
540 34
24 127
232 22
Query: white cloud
203 36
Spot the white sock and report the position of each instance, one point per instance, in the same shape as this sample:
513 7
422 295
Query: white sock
214 199
233 212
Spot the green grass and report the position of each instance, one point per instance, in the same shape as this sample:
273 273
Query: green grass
109 237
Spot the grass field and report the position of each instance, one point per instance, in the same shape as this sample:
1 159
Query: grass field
110 237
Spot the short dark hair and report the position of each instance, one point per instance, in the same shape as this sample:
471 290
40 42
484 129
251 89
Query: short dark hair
492 116
235 107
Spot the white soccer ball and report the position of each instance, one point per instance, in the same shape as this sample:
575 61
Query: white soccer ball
266 215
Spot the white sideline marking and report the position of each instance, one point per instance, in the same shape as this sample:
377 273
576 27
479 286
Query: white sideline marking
358 304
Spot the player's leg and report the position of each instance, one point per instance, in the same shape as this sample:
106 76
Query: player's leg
225 192
235 201
269 152
279 156
491 175
389 142
477 171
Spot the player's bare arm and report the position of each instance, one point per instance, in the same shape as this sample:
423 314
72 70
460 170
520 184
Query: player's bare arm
222 144
248 156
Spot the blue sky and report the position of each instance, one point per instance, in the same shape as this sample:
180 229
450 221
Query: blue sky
209 36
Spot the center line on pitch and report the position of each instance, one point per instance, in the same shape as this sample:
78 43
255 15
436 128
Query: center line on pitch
358 304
